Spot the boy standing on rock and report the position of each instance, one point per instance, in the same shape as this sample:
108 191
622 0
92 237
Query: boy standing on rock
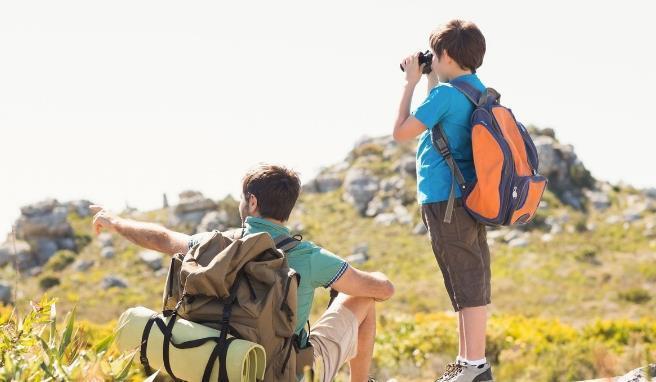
460 246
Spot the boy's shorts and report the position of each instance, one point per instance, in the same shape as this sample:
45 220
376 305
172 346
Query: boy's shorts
335 340
462 254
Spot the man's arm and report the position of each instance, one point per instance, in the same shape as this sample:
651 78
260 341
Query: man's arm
355 282
147 235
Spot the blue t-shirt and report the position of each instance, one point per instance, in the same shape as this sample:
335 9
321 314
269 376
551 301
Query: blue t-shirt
449 106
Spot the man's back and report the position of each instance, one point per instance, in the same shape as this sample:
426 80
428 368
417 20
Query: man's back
316 266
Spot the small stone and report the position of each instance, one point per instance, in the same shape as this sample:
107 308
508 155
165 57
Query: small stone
113 282
358 258
518 242
152 258
420 229
83 265
105 239
107 253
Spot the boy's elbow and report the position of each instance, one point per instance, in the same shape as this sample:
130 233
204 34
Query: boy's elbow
398 136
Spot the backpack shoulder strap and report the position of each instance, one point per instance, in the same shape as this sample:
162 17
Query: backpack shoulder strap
442 146
286 243
472 94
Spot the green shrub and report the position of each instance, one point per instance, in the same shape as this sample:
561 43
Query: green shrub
60 260
47 282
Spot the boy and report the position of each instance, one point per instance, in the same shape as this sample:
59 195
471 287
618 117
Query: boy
347 329
460 247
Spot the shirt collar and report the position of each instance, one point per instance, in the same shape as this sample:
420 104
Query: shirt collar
261 224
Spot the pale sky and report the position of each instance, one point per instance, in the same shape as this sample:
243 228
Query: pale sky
122 101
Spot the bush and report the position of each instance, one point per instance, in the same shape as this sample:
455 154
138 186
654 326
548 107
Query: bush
48 282
32 349
60 260
635 295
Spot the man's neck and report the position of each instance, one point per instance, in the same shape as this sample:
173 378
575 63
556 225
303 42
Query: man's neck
279 222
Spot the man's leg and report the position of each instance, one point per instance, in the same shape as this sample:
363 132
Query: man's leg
364 309
474 323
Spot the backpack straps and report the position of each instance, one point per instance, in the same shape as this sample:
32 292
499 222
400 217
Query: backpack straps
442 146
286 243
472 94
478 98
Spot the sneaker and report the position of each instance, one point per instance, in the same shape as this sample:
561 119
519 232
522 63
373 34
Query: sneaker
464 372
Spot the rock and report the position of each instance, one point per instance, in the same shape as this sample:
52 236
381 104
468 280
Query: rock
387 218
107 252
45 248
599 200
23 252
80 207
38 224
35 271
5 292
113 282
377 206
511 235
360 186
407 165
105 239
547 237
165 201
152 258
43 207
192 201
650 192
631 217
214 220
362 248
83 265
358 258
420 229
327 182
643 374
518 242
67 243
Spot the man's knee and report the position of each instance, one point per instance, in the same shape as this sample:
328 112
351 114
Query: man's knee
361 307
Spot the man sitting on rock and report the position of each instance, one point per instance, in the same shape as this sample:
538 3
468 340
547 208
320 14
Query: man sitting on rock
346 330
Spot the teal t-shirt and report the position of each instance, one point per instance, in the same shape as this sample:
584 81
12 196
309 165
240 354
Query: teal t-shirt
448 106
317 266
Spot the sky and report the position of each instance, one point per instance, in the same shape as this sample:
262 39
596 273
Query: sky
119 102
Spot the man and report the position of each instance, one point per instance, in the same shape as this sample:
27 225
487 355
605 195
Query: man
346 330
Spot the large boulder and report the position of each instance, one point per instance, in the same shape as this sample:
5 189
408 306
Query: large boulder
360 187
152 259
568 177
24 255
43 219
214 220
324 182
191 208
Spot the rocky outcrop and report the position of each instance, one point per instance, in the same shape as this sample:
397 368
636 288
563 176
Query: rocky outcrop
360 187
41 230
191 208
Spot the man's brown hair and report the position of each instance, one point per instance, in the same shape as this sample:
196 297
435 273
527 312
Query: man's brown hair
276 188
463 42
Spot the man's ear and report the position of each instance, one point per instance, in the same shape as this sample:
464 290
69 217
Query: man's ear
252 205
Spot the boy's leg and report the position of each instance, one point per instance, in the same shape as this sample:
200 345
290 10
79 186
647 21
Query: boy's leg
474 323
462 348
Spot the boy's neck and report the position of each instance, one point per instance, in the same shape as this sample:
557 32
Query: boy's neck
459 73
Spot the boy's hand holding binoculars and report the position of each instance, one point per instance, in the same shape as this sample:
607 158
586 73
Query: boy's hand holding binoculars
416 65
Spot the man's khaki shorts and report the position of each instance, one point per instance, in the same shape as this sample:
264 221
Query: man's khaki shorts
462 254
335 340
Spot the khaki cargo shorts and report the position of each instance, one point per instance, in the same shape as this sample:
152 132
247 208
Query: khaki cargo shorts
462 253
335 341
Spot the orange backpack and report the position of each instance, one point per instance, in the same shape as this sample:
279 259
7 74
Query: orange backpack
508 188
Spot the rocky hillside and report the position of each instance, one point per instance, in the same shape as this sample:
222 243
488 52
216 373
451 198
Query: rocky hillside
576 284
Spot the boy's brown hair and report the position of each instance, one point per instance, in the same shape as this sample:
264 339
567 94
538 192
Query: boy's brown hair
276 188
463 42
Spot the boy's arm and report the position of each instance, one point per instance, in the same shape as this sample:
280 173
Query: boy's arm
406 126
147 235
355 282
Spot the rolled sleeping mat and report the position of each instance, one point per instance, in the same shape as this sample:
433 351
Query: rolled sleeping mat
245 360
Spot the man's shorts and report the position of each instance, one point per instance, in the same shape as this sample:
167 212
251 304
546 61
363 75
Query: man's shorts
335 340
462 254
